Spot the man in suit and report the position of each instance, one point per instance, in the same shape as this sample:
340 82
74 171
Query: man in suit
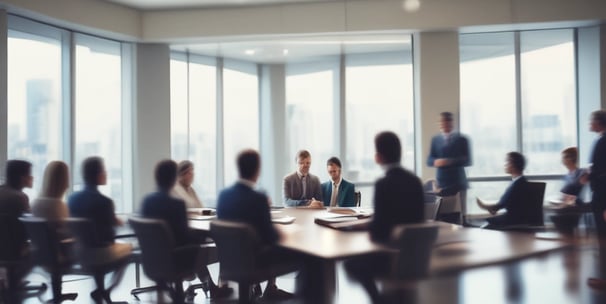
597 181
449 154
344 194
398 199
302 188
514 198
242 203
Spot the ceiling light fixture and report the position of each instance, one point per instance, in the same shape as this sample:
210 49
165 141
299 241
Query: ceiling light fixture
249 52
411 6
285 52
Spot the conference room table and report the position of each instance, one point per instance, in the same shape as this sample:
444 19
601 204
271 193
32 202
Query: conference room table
456 249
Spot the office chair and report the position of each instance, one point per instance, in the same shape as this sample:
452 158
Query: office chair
162 262
17 263
410 263
358 198
239 246
47 253
533 220
98 261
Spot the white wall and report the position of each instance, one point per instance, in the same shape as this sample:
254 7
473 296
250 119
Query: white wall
3 86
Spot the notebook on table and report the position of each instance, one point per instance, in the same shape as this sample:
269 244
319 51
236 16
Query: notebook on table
344 223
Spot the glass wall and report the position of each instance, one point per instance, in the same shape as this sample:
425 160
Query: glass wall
240 113
194 119
35 101
518 93
311 100
46 122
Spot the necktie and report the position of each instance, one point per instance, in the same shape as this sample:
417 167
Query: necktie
304 187
335 193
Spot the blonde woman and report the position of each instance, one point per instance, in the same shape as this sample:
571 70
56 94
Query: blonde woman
183 188
49 204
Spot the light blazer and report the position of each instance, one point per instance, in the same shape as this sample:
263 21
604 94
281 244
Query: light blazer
451 179
346 196
293 190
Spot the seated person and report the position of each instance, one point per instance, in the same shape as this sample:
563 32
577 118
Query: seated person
161 205
344 196
398 199
14 203
514 198
183 188
241 203
302 188
91 204
49 204
575 179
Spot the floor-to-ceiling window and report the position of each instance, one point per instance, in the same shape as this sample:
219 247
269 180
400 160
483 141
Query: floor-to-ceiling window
379 97
194 119
46 122
35 99
518 93
312 122
240 113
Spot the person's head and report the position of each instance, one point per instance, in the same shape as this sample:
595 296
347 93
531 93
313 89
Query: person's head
388 148
303 160
597 122
185 170
18 174
333 167
446 122
93 171
56 180
249 165
570 157
166 174
515 163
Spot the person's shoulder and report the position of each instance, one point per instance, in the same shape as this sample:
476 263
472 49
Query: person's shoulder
290 176
346 182
314 178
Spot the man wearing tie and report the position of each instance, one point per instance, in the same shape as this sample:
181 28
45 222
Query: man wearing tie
302 188
337 192
450 154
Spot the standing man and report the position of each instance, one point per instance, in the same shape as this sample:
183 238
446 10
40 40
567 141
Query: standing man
302 188
449 154
398 199
597 181
337 192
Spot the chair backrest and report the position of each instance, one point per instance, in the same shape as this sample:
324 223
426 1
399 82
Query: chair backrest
358 198
46 249
157 244
238 245
431 209
449 204
534 198
414 243
12 238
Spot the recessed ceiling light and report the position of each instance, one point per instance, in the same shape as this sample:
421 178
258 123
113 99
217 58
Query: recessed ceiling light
285 52
249 52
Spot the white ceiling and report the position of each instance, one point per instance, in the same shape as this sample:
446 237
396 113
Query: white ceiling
180 4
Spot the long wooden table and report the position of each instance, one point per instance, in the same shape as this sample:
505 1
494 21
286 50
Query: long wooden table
456 249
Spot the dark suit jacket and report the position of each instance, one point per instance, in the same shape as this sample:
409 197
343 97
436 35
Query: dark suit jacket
345 197
241 203
161 205
514 200
451 179
398 199
91 204
597 175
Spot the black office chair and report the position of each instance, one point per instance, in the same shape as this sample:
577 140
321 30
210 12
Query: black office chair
532 221
98 261
47 253
239 246
410 263
358 198
15 258
164 263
